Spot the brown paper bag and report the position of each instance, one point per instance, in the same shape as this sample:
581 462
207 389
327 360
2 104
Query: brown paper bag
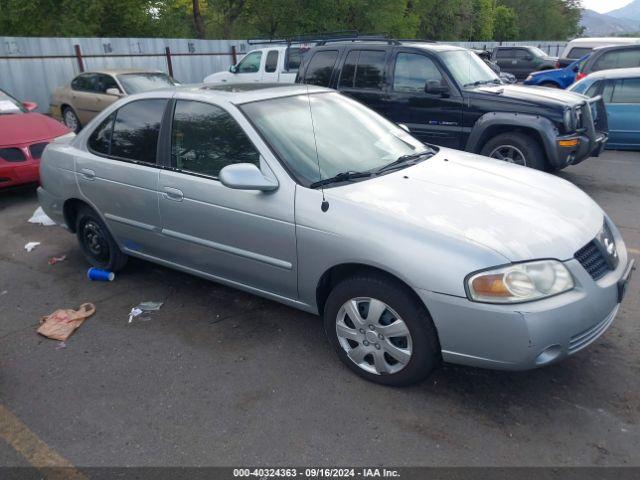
62 323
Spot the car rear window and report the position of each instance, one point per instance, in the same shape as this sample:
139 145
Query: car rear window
618 59
320 68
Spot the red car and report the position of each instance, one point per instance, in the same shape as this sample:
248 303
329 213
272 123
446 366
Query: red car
23 136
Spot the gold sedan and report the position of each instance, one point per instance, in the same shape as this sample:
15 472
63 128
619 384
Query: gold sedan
91 92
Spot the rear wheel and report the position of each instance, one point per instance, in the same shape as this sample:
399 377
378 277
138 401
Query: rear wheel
70 119
516 147
97 244
380 331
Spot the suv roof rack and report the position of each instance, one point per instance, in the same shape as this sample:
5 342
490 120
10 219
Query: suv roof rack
307 38
362 38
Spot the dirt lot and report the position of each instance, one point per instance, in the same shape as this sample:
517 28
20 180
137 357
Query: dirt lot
221 377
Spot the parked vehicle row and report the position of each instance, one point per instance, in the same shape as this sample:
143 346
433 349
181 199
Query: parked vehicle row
580 47
412 254
521 61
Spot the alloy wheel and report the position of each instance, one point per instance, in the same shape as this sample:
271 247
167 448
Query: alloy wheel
70 120
509 153
373 336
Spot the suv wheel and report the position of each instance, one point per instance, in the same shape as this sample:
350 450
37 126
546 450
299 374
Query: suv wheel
380 331
97 244
515 147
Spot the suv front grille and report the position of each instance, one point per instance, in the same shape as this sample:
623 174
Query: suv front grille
36 149
591 258
12 155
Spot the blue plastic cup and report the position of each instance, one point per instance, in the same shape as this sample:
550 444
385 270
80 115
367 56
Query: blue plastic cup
98 275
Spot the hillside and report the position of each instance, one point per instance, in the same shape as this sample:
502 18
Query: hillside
630 12
604 25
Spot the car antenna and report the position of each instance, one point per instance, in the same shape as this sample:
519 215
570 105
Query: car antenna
325 205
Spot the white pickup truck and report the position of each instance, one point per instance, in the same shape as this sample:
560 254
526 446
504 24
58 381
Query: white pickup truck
266 65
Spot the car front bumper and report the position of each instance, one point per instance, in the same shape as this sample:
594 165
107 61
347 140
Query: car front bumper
529 335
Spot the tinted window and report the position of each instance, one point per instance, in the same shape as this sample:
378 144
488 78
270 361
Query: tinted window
272 61
505 53
349 69
135 132
294 58
577 52
104 82
412 72
618 59
320 68
370 69
626 91
84 82
591 91
250 63
205 138
100 139
522 54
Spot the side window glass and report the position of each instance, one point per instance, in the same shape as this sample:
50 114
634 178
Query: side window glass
104 82
412 72
593 88
250 63
578 52
320 68
607 60
370 69
100 139
136 129
627 91
349 69
205 138
504 53
522 54
272 61
83 83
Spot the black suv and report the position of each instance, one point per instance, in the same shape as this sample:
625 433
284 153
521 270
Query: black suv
446 95
610 58
521 61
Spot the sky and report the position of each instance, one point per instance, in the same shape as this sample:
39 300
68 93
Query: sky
604 6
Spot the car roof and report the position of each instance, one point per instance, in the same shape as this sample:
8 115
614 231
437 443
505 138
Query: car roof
616 73
609 40
239 93
423 45
120 71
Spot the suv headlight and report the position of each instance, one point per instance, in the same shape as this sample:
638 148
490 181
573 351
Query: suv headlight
520 282
569 120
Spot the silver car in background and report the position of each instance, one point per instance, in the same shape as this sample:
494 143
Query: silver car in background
412 254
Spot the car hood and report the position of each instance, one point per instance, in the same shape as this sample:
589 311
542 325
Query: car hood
548 96
23 128
520 213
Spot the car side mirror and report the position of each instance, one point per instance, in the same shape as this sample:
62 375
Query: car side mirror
434 87
113 91
233 69
30 106
246 176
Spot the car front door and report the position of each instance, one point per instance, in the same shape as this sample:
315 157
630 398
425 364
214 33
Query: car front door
242 236
248 70
622 100
431 117
118 174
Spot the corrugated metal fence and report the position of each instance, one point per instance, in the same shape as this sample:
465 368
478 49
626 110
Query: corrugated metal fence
32 68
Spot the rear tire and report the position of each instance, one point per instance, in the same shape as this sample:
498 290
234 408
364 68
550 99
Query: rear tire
392 340
516 147
96 242
70 119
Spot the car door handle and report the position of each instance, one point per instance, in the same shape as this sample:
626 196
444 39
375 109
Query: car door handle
174 194
87 173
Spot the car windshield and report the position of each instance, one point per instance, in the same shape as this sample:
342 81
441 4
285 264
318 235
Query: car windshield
141 82
348 136
9 105
468 69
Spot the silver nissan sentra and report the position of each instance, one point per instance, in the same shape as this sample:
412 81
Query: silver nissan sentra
413 254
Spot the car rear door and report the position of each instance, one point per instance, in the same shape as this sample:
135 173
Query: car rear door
431 117
118 173
622 100
242 236
83 96
270 73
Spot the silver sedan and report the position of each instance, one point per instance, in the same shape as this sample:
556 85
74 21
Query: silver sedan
413 254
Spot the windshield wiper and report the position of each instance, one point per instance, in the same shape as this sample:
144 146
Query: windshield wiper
404 160
340 177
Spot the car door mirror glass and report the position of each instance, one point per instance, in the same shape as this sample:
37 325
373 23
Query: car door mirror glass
233 69
113 91
29 106
246 176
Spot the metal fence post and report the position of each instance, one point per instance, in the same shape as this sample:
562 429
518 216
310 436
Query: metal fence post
234 54
167 52
76 47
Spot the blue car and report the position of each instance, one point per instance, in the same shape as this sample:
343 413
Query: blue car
558 78
620 90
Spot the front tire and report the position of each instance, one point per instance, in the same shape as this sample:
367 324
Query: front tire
518 148
97 244
70 119
380 331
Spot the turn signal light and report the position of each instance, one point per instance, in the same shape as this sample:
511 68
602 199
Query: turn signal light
569 143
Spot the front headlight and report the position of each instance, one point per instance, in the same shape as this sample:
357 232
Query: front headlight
521 282
569 120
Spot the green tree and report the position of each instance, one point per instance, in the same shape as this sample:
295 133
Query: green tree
505 26
483 15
